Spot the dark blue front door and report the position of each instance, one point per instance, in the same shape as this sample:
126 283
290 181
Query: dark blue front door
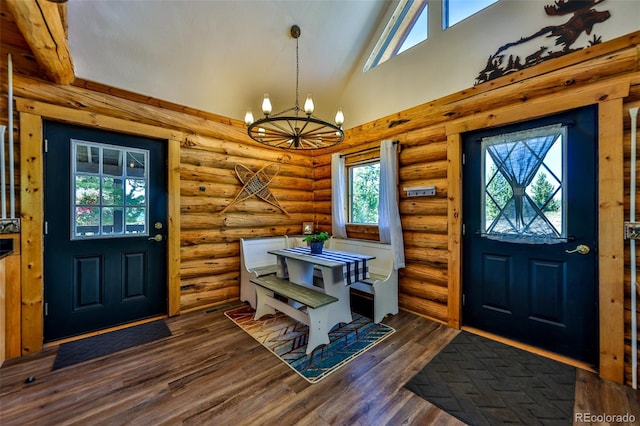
530 233
105 216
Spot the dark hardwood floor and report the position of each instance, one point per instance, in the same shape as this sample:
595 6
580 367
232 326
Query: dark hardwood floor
211 372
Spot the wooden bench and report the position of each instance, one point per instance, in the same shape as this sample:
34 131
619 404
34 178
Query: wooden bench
255 261
383 279
315 315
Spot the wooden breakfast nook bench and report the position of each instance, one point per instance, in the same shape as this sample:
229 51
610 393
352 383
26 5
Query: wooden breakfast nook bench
316 302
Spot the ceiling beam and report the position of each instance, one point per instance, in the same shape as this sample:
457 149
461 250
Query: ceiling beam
41 26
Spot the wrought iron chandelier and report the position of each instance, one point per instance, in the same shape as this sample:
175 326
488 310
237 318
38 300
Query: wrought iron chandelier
294 128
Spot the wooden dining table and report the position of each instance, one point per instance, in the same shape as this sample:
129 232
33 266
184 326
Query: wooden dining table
339 269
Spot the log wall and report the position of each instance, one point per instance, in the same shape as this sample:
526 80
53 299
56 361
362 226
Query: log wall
429 136
210 147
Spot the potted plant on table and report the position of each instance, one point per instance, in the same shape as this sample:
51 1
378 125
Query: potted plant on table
316 241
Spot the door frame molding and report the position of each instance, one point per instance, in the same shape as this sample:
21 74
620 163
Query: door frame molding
608 96
32 114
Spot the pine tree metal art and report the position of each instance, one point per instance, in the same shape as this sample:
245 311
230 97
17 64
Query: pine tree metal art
549 42
256 184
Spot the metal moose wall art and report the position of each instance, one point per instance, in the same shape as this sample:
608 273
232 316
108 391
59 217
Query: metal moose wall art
549 42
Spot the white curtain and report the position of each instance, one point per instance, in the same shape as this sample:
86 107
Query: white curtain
338 194
388 212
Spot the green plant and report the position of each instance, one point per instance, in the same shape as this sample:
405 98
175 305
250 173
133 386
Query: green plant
317 238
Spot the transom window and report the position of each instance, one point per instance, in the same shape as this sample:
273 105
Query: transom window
109 184
364 190
407 27
523 181
454 11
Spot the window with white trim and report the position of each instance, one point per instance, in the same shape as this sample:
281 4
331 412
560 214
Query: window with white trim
109 190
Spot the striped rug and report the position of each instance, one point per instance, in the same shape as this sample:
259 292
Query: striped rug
287 339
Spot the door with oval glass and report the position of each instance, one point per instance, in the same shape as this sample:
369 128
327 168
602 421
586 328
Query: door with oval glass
529 244
105 216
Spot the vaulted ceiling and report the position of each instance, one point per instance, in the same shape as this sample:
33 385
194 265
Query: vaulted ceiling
221 56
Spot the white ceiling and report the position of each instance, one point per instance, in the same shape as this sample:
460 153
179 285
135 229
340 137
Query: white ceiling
221 56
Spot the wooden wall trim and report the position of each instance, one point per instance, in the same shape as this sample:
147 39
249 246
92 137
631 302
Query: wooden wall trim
78 99
173 243
615 88
42 27
32 205
13 298
32 218
611 239
454 222
98 121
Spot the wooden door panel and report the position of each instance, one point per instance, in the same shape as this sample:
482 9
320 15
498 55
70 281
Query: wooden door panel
496 282
88 286
547 295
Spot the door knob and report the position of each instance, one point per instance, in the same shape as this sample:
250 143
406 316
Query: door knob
157 238
581 249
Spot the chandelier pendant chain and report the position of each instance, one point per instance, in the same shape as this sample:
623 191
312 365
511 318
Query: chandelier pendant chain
297 78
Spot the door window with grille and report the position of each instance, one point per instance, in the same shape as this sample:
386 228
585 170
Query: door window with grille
109 184
523 186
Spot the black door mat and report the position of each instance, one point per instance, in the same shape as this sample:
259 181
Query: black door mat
483 382
104 344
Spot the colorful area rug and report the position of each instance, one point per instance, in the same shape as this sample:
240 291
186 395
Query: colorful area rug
483 382
287 339
104 344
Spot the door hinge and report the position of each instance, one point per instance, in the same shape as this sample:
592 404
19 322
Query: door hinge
464 159
46 145
46 227
464 229
46 309
463 299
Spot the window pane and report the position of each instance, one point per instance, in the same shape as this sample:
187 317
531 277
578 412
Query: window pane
136 163
112 162
112 192
136 219
136 192
87 190
455 11
112 223
365 185
523 186
407 27
87 159
418 32
87 220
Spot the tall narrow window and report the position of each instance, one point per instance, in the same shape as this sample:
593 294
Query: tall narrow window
523 181
109 187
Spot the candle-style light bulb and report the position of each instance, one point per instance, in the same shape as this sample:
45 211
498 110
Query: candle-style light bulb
266 104
248 118
308 105
339 117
